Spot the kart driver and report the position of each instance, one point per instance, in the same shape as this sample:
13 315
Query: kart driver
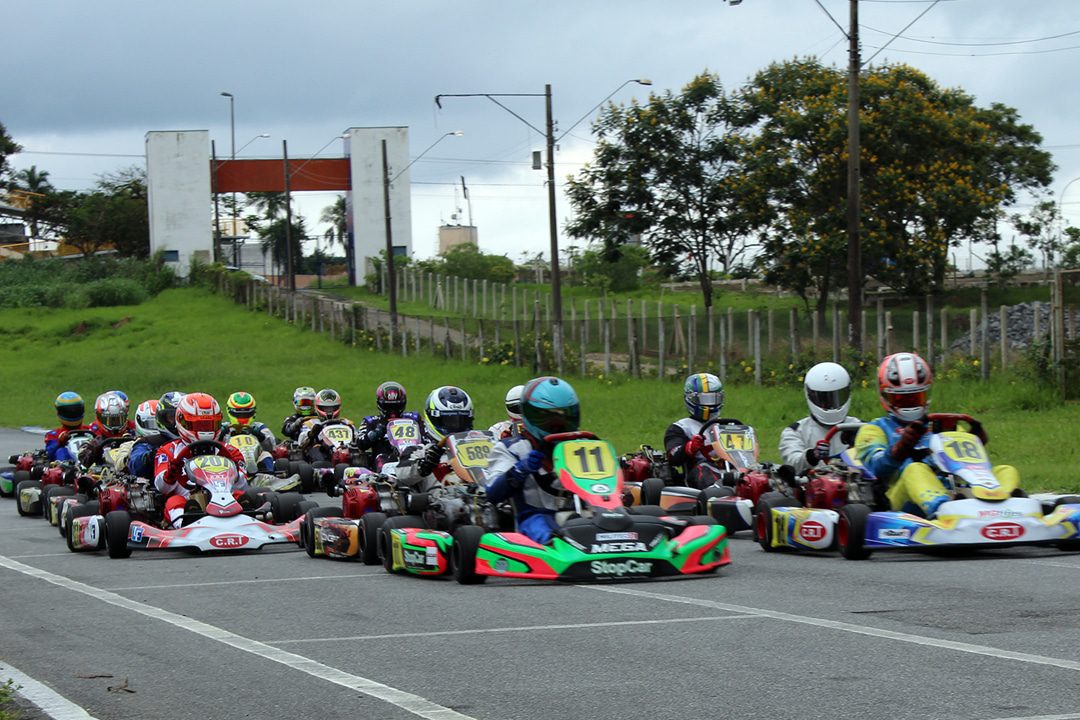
390 398
110 425
240 409
327 412
448 410
303 400
198 419
100 429
70 410
888 446
512 425
519 467
827 387
141 459
703 395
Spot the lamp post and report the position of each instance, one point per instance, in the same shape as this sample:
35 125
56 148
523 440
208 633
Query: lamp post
232 152
553 229
391 279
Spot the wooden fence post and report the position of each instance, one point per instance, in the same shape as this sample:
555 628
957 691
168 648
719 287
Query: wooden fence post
1003 321
836 333
915 331
793 332
984 365
973 321
757 347
660 341
880 329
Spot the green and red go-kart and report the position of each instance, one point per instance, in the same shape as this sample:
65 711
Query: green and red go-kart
600 539
985 510
372 502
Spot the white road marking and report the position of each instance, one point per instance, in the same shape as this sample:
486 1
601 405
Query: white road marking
1053 563
51 702
1070 716
525 628
405 700
37 555
849 627
247 582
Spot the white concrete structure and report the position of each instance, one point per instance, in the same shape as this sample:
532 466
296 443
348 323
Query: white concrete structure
451 235
366 214
178 179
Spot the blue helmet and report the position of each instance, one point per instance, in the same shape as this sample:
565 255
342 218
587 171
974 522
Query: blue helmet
704 396
70 408
549 405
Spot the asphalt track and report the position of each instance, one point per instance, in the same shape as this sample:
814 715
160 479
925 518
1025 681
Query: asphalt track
276 634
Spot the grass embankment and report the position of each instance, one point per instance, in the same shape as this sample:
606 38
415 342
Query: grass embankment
190 340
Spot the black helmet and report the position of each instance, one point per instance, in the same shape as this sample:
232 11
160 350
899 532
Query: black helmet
390 397
449 410
166 410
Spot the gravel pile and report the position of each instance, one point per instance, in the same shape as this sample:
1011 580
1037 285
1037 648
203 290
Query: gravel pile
1020 327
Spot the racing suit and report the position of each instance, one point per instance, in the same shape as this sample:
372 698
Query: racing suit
56 443
141 458
372 435
914 486
309 438
798 443
534 503
169 480
260 432
697 470
293 424
92 452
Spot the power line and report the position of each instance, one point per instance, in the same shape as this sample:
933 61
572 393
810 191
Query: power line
880 49
977 44
81 154
997 54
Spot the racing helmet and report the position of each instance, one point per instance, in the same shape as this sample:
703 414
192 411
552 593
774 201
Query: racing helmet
111 413
513 402
70 409
146 418
123 398
827 387
198 417
549 405
904 381
166 410
448 410
703 394
240 407
391 398
327 404
303 400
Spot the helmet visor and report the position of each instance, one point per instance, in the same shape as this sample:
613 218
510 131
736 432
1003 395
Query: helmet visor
552 420
70 413
829 399
707 399
909 400
455 423
199 425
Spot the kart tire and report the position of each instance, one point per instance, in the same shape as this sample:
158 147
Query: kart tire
79 511
394 523
651 490
46 491
851 531
33 508
702 520
62 491
284 506
307 476
651 510
304 507
18 477
763 525
307 526
281 467
370 524
117 528
36 471
463 555
61 526
339 472
417 503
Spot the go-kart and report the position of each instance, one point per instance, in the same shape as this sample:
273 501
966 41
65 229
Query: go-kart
648 479
216 517
984 511
252 450
599 539
741 480
32 495
372 502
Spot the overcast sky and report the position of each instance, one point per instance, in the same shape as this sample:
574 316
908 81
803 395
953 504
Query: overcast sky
84 81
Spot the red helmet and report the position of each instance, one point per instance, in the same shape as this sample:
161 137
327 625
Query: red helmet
327 404
904 381
198 417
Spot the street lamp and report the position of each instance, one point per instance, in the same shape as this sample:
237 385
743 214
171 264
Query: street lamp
553 227
391 279
261 135
232 153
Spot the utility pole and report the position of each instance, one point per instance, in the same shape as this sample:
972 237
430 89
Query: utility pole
854 264
553 229
391 280
288 219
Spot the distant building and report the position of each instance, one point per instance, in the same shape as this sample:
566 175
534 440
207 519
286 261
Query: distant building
451 235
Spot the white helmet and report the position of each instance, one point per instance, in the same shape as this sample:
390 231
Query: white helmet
828 393
513 402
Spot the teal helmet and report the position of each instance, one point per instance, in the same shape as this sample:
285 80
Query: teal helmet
548 406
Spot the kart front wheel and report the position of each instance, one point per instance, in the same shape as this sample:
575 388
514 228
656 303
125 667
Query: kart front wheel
651 490
763 520
30 508
394 523
79 511
117 529
307 526
307 476
463 555
370 524
851 531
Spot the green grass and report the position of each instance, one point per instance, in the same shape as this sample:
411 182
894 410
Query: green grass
190 340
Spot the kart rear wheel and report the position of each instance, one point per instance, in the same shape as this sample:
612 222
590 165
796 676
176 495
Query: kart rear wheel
763 523
46 492
79 511
339 472
33 508
52 513
307 476
395 523
284 507
117 528
417 503
652 510
851 531
281 467
61 524
307 527
651 490
463 555
370 524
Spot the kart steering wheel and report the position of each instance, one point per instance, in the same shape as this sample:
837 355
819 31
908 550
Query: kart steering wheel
842 428
200 447
556 438
946 422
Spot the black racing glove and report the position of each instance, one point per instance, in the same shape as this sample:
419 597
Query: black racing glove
432 455
909 438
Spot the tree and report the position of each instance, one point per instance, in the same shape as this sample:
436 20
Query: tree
622 274
8 147
1007 265
670 171
1039 228
113 214
1070 252
337 217
467 261
936 171
36 186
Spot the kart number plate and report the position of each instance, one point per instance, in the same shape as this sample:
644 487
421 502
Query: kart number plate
590 460
964 448
212 463
241 442
474 453
737 442
338 434
404 430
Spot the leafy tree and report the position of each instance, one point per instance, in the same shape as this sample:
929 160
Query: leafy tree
622 274
467 261
1070 252
8 147
1007 265
113 214
1039 227
36 186
936 170
670 171
272 235
337 216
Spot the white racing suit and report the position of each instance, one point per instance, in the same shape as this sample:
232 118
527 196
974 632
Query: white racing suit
799 438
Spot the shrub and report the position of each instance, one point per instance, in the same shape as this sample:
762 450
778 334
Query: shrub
114 291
